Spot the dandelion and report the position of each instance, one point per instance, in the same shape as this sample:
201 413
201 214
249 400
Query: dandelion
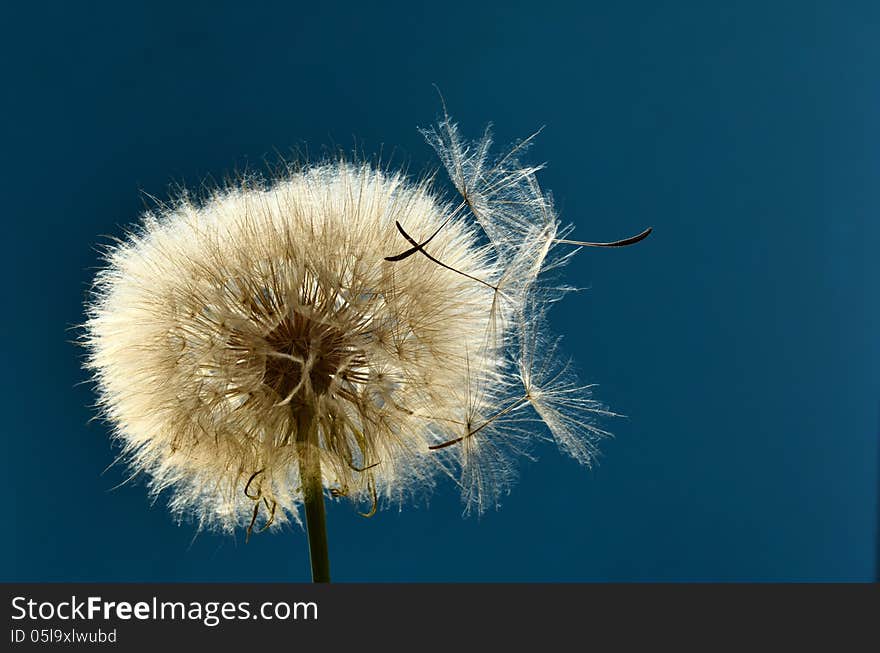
338 330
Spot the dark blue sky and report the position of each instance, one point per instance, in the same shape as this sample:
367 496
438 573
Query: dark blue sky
740 339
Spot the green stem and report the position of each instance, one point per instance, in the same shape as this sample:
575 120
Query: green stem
313 493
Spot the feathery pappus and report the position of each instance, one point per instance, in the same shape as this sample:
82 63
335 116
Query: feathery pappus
346 314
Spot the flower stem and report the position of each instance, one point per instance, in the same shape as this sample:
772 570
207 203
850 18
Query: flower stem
313 493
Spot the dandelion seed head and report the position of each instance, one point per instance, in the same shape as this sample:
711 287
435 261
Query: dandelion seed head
216 323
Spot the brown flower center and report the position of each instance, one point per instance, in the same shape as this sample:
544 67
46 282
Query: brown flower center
307 354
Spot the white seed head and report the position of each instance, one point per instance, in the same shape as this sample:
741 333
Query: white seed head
217 323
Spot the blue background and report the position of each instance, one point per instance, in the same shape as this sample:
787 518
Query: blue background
740 339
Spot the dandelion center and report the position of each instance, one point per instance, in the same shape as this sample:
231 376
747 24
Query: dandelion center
304 357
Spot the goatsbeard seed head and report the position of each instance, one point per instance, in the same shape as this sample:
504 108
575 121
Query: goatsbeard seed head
216 323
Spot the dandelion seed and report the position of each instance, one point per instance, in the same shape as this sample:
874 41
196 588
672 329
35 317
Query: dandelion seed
266 346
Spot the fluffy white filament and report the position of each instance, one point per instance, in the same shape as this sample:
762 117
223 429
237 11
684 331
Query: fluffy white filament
214 323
